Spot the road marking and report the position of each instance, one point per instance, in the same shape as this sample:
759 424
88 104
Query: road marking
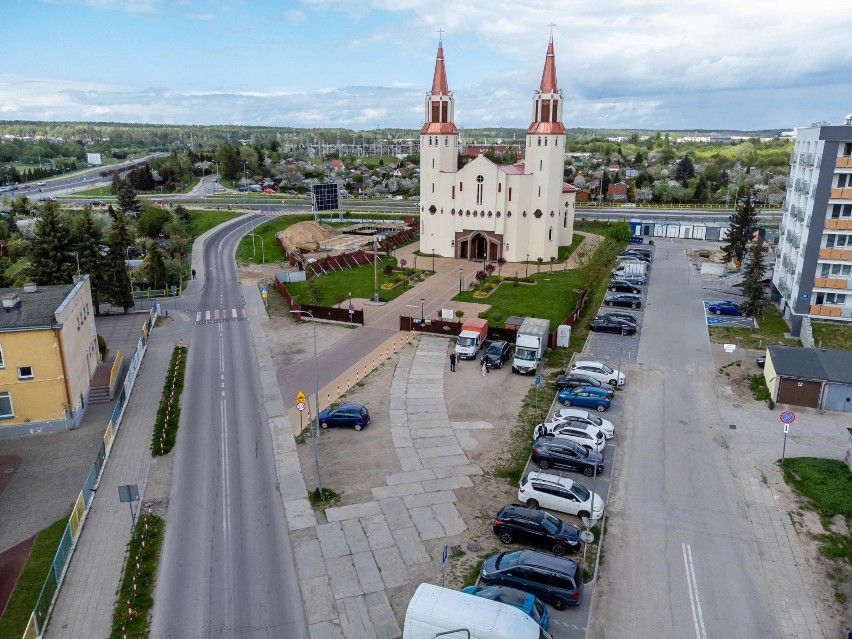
697 616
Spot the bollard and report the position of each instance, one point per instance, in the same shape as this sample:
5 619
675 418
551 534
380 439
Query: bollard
347 383
338 390
373 364
365 370
328 398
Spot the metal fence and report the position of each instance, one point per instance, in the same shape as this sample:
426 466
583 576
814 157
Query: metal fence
47 595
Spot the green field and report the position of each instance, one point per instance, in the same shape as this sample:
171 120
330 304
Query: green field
832 335
771 330
202 221
826 482
359 281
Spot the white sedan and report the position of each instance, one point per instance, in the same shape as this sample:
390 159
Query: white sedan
564 495
580 415
600 372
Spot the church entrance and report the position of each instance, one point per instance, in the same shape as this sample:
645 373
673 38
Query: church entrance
478 247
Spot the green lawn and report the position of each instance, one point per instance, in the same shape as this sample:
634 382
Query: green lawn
551 297
566 251
202 221
267 231
826 482
359 281
771 329
14 620
832 335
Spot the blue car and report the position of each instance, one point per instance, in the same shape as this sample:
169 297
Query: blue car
585 396
530 604
725 307
348 416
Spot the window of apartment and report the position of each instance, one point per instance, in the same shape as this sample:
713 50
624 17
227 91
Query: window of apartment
844 180
847 149
835 270
479 187
830 298
461 185
833 239
446 141
510 193
2 361
499 187
6 411
841 210
25 372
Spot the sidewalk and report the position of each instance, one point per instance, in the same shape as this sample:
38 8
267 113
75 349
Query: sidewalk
86 600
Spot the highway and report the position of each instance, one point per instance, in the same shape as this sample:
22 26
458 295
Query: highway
227 569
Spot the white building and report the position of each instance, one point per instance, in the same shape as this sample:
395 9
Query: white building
485 211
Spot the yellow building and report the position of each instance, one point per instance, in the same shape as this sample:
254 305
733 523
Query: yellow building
48 354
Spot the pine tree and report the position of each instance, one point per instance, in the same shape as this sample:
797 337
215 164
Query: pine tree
156 269
51 258
702 190
740 228
685 169
90 255
118 290
127 200
754 290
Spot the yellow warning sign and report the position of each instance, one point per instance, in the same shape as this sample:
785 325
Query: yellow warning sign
300 397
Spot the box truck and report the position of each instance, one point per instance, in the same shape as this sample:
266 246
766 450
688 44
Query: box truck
434 611
530 344
472 337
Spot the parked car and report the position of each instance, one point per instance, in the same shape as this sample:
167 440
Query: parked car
516 523
632 278
556 580
588 436
621 315
347 415
586 396
625 300
599 371
761 361
562 494
524 601
550 452
613 325
623 286
573 380
633 253
581 415
724 307
639 250
497 353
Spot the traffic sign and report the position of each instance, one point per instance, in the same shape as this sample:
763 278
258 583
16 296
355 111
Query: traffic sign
730 348
538 380
264 292
786 428
787 417
300 397
300 406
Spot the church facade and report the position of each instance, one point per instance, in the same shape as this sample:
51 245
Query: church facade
485 211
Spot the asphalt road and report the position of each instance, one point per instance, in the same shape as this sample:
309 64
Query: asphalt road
227 569
680 558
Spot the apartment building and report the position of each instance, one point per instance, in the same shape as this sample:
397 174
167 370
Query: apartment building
813 270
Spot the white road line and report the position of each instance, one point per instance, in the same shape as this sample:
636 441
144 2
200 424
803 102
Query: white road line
697 616
233 312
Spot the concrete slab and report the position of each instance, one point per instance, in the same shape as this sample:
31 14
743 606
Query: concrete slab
377 531
439 451
288 463
318 591
367 509
471 425
396 514
398 402
355 537
383 492
299 514
368 571
441 462
325 630
393 569
466 440
355 618
411 546
422 430
408 459
455 471
344 579
447 483
410 476
421 392
401 437
309 560
293 487
449 518
434 442
398 418
428 499
427 525
381 614
332 540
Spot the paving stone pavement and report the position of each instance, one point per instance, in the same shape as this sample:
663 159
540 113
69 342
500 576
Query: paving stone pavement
348 565
781 553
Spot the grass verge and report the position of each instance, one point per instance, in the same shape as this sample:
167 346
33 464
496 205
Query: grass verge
256 250
472 573
168 415
202 221
328 497
23 599
759 389
136 624
336 286
771 330
829 335
827 483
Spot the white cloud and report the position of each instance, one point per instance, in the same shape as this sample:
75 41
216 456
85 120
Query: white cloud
203 17
129 6
295 16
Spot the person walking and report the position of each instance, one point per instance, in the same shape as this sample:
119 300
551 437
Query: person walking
540 431
484 368
453 359
193 273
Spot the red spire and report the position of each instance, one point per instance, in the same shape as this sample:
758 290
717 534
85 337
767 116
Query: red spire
548 76
439 82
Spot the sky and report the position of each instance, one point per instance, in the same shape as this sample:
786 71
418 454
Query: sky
365 64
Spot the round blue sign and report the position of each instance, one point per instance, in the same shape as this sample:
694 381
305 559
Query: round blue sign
788 417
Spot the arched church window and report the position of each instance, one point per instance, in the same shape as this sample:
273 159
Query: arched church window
467 213
446 141
550 234
545 141
508 214
539 141
479 188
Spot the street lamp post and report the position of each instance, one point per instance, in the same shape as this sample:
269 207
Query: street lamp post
461 280
527 267
433 260
376 268
315 433
422 314
245 182
262 253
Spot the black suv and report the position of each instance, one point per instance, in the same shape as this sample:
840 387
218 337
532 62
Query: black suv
617 315
518 523
556 452
623 286
576 380
497 353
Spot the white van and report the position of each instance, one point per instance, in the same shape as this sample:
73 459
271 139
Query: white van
434 610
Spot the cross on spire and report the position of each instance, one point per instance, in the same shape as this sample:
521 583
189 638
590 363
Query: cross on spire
551 25
440 36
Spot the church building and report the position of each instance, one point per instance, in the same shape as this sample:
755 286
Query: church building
484 211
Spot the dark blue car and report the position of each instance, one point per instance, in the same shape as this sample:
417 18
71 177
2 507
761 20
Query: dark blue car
724 307
530 604
585 396
556 580
348 416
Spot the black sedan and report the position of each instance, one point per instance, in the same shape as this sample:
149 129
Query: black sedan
498 352
619 315
577 380
625 300
622 286
617 326
556 452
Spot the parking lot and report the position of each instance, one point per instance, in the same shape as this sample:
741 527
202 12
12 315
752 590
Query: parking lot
714 319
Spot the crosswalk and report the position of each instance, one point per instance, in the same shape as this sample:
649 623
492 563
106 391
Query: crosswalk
220 315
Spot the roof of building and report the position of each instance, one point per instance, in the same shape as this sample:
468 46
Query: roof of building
512 169
548 75
617 189
36 309
812 363
439 81
569 188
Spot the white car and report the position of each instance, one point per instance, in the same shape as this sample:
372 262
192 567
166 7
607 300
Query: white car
580 415
600 372
588 436
564 495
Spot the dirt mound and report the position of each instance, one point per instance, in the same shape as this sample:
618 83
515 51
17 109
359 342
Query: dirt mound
304 235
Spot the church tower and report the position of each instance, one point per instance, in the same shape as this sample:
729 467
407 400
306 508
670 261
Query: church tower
439 141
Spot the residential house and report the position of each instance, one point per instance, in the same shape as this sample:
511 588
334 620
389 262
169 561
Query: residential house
616 192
